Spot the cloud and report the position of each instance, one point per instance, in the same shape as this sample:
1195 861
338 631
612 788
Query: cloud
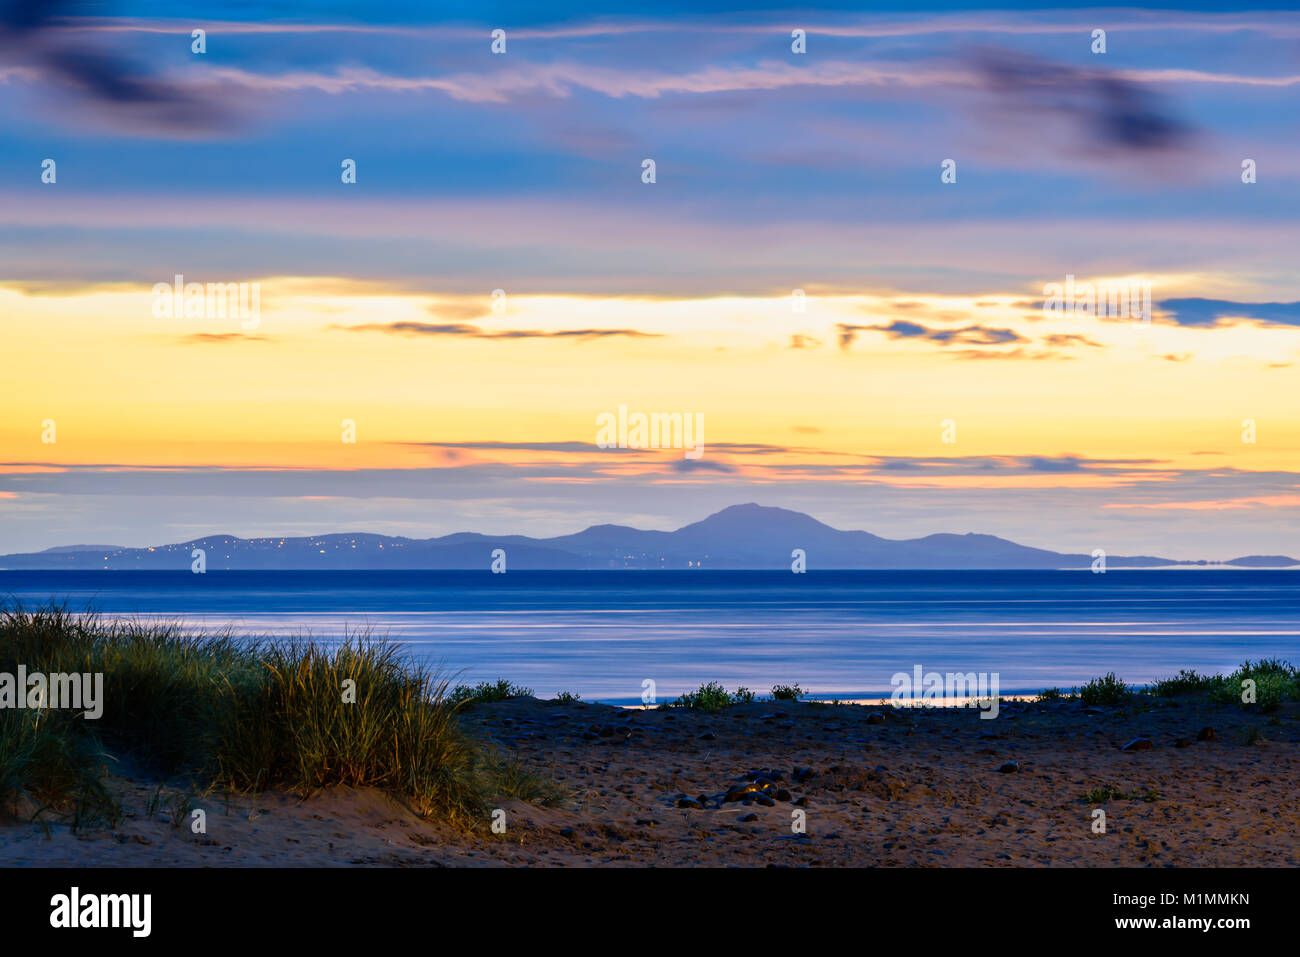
800 341
200 337
1111 111
1215 505
1217 312
1062 340
465 330
31 31
700 465
902 329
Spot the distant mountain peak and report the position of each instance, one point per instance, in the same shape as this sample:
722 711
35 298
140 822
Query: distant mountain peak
744 536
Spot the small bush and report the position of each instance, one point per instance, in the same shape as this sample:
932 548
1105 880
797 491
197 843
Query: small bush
1185 682
708 697
787 692
488 692
1276 681
1107 689
567 697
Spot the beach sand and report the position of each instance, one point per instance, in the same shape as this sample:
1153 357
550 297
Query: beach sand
904 787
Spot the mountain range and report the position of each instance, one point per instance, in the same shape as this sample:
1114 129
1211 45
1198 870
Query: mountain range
739 537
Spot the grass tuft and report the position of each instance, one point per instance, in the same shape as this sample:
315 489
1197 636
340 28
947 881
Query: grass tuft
292 715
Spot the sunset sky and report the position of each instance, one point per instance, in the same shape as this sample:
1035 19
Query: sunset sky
775 171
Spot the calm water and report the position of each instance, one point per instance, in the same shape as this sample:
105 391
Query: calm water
600 634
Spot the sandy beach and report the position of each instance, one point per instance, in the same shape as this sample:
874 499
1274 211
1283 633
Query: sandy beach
868 785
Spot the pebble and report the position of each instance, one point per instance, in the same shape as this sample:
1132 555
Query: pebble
1139 744
1009 767
1206 734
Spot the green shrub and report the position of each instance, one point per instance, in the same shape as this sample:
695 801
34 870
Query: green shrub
1185 682
787 692
708 697
488 692
1276 681
1107 689
1109 792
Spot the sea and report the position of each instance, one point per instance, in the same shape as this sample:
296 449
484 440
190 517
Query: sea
618 636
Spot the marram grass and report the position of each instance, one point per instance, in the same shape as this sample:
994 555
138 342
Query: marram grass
292 715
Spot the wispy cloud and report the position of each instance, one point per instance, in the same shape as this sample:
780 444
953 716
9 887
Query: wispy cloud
465 330
902 329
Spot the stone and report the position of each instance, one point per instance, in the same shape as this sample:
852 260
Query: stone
1206 734
1139 744
1008 767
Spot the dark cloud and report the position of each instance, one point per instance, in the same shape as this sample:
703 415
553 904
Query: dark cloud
1010 464
465 330
30 34
1062 463
1216 312
1113 113
902 329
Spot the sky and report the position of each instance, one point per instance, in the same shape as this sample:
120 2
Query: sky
841 269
